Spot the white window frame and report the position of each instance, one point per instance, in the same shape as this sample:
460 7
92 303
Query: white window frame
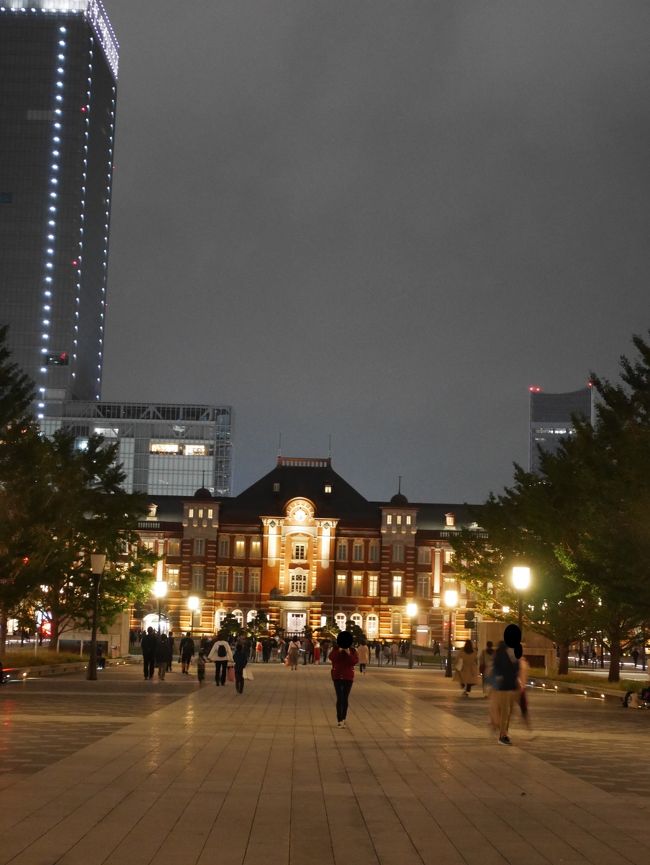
397 585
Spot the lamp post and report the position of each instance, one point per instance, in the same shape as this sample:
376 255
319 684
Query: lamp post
193 605
521 581
411 612
160 591
451 602
97 565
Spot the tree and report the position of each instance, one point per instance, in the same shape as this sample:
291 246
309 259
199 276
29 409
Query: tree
582 522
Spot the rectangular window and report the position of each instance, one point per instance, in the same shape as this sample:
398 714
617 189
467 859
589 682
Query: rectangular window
173 547
199 546
357 551
172 575
373 551
224 547
195 450
373 585
397 586
238 581
198 577
424 555
342 551
389 519
256 548
424 582
341 584
357 585
299 552
240 548
165 448
449 555
398 552
408 519
399 519
222 580
254 581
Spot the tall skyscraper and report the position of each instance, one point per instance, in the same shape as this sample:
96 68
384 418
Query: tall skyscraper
58 90
551 419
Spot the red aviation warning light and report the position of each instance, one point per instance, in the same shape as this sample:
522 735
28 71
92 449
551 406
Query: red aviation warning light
534 388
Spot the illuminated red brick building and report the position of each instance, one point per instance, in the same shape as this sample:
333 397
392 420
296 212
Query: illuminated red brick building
303 546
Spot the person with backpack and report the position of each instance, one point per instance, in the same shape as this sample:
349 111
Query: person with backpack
221 654
186 650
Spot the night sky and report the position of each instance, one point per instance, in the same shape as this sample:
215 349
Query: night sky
380 221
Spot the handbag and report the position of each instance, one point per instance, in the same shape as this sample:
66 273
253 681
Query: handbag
231 674
248 674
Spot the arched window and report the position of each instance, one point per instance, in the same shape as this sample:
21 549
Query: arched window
372 625
340 620
357 618
250 615
219 616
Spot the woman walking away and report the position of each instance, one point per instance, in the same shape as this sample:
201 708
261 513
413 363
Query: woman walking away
364 656
240 659
343 659
506 690
293 654
221 654
467 668
186 648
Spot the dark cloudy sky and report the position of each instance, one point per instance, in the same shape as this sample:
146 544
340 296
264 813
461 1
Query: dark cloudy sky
380 221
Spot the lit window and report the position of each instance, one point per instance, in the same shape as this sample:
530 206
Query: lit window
408 519
239 616
389 519
356 619
373 585
340 620
397 586
172 576
450 520
195 450
399 519
328 488
298 584
164 448
240 548
357 585
256 548
341 584
372 625
449 555
238 581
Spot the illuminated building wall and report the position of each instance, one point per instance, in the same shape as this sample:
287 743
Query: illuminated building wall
58 91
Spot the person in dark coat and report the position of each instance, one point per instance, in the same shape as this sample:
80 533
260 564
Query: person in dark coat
186 648
163 654
148 644
240 658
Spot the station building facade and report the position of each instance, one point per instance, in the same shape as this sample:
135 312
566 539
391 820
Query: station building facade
305 547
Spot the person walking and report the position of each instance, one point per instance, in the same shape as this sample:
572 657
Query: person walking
467 668
343 659
186 648
486 667
148 645
172 643
163 654
221 654
293 653
316 652
506 690
363 653
200 666
240 659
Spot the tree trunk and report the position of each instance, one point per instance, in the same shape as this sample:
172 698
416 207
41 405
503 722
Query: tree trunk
615 658
563 663
4 623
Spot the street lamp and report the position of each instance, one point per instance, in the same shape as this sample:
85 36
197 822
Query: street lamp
411 612
193 605
521 581
97 564
451 602
160 591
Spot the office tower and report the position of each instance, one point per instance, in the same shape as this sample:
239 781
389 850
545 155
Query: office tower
58 77
551 419
164 449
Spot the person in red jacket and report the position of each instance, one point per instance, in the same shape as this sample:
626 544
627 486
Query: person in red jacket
343 659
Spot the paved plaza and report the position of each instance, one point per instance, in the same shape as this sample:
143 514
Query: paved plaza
126 772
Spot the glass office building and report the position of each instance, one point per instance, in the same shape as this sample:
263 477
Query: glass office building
58 91
551 419
164 449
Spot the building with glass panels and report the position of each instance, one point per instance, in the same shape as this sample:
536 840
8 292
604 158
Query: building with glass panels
164 449
58 92
551 419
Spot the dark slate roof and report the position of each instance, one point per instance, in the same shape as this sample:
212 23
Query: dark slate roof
301 479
